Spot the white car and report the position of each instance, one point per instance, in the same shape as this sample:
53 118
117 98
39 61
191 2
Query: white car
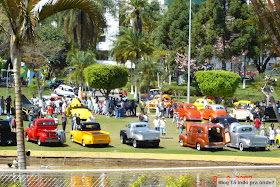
65 91
241 114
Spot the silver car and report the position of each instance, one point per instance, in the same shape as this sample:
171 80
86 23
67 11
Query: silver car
244 136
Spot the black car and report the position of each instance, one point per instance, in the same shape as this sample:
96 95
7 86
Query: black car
56 84
225 120
267 114
6 136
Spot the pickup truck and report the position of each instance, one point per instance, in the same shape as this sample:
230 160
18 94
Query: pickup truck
44 131
6 136
139 133
205 135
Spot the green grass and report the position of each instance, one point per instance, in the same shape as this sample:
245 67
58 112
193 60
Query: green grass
167 146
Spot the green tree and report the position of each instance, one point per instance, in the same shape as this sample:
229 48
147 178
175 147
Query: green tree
147 70
23 21
227 32
217 83
106 78
78 61
172 32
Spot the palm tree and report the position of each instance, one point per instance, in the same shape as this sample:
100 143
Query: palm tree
134 11
23 20
147 70
131 45
78 61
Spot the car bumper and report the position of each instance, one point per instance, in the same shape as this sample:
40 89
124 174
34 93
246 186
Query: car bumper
213 146
100 142
255 145
48 140
148 141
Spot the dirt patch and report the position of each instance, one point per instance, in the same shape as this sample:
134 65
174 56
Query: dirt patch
116 163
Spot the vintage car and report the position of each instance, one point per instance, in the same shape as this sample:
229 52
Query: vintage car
189 112
6 136
26 107
77 108
212 111
225 120
242 103
277 141
199 103
64 91
139 133
90 133
267 114
152 103
44 131
207 135
244 136
241 114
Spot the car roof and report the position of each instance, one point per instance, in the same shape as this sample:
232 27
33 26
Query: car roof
205 125
43 119
139 123
185 104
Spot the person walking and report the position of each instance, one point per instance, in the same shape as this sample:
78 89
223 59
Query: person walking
142 105
63 120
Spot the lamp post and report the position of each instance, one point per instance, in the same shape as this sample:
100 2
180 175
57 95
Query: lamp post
189 55
244 68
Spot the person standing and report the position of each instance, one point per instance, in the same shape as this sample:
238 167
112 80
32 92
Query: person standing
50 110
31 117
257 123
8 104
163 127
271 136
156 123
78 122
56 120
74 121
142 105
181 125
2 102
9 118
63 120
263 130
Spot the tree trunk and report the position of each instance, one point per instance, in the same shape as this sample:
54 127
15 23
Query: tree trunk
271 98
107 92
16 60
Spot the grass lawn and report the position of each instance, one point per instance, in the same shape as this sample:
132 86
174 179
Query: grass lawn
114 126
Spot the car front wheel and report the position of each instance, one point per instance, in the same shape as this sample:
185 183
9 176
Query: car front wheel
181 142
83 143
184 118
39 142
210 119
122 139
198 147
241 146
135 144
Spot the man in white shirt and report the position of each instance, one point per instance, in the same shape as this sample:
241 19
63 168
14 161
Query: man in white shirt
163 127
156 123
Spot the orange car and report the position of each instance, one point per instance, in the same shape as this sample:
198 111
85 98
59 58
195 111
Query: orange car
188 112
205 135
212 111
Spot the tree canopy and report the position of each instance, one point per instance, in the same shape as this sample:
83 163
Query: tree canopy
106 77
217 82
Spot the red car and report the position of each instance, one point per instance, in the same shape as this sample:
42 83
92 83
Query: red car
189 112
44 131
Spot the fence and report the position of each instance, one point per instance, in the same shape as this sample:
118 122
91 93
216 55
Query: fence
189 176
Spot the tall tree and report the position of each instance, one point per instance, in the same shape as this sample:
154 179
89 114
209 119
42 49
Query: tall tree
78 61
23 20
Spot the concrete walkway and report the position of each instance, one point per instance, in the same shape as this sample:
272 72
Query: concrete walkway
62 154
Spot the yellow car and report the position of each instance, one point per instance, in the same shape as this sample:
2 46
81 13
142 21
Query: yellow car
277 141
90 133
77 108
152 103
241 103
199 103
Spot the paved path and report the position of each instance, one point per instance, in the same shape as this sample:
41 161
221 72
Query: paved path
61 154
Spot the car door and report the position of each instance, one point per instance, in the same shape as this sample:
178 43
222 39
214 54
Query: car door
34 130
230 137
128 131
190 136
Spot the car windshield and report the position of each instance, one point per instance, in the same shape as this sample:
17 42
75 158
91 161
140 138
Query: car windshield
142 125
219 108
68 89
91 127
246 129
4 126
191 107
42 123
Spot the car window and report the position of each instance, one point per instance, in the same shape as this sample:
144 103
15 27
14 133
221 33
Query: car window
246 129
234 129
141 125
42 123
191 107
90 127
199 131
